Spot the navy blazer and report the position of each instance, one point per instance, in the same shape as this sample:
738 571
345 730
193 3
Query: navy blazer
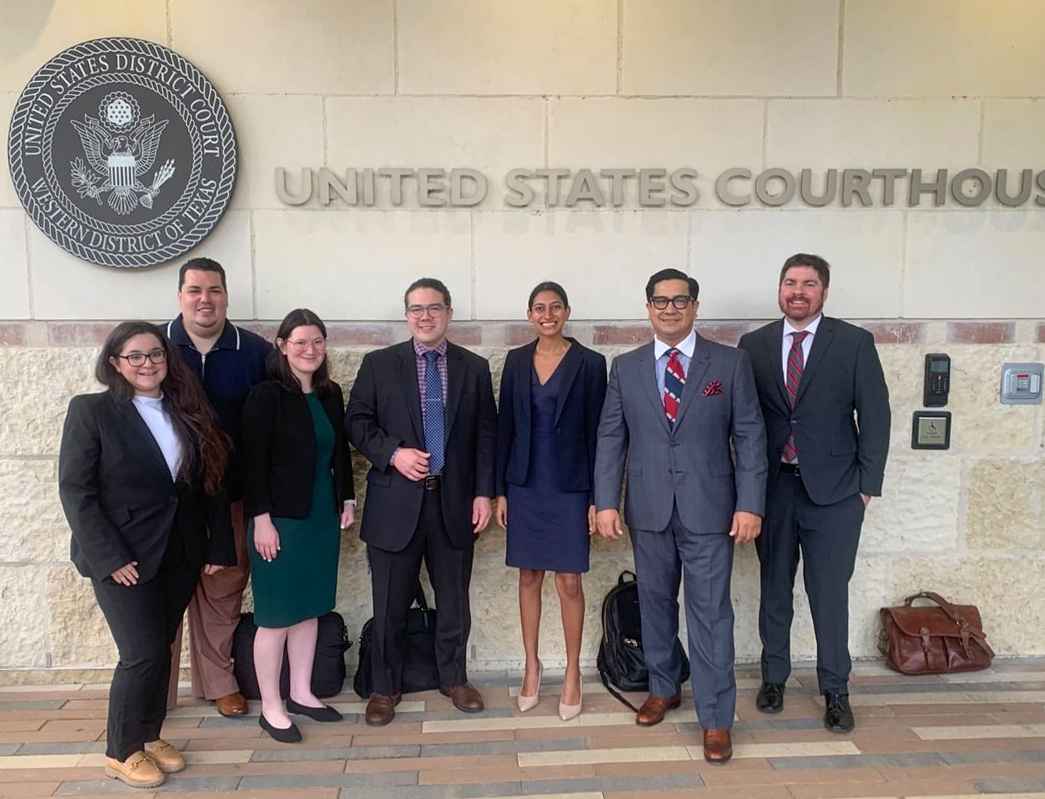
576 416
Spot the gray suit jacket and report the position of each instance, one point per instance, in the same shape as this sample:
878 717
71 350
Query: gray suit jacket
690 464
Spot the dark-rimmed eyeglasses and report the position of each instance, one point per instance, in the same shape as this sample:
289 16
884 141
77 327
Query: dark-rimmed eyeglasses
157 355
417 311
680 302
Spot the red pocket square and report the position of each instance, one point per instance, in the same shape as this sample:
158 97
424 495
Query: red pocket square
713 388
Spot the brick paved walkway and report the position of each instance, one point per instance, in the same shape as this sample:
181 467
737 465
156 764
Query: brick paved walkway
931 736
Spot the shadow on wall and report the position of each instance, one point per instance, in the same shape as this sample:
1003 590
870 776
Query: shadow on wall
23 23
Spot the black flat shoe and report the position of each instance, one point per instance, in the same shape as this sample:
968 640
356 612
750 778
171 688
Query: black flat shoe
770 697
325 713
838 716
288 735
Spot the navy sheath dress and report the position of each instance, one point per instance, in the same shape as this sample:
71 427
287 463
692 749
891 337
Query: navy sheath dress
547 527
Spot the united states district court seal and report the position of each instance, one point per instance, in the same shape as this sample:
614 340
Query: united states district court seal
122 152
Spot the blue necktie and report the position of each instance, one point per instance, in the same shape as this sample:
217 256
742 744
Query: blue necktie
434 423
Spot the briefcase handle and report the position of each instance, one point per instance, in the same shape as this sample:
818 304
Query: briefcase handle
945 606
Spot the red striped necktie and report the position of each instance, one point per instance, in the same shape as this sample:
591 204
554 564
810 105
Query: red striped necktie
795 365
674 381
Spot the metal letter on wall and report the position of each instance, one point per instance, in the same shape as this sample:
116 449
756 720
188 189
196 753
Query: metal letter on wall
122 152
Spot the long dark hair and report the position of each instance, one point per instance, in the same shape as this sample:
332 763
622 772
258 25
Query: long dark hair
205 447
278 367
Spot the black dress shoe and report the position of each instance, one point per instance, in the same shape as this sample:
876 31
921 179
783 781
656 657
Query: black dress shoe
770 697
838 716
287 735
325 713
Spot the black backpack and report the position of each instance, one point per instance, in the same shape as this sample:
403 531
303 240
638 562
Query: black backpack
420 672
621 662
328 668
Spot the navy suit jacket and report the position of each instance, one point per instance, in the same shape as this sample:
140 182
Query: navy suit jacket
841 419
576 417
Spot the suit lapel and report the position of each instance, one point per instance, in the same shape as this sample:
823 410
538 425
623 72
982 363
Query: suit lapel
455 377
648 380
523 385
571 366
408 383
774 343
698 367
153 453
821 342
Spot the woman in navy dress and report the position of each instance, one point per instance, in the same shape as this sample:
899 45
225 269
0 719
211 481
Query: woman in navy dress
551 396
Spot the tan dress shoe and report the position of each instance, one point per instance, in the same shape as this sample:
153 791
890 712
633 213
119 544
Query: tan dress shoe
381 709
231 705
169 759
655 708
137 771
465 698
718 745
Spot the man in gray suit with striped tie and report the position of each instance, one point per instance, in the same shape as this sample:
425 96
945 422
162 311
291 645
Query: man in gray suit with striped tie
673 408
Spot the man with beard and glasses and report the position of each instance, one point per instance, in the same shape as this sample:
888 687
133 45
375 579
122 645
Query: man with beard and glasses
826 407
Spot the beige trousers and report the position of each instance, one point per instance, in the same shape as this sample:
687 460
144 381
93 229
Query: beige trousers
213 615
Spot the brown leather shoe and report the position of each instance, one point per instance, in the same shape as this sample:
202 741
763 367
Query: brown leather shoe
381 709
654 709
169 759
138 771
465 698
718 745
231 705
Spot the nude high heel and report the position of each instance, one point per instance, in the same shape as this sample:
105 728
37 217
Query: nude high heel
567 712
530 702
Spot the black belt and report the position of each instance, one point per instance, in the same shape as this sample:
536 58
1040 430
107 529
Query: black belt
433 482
790 468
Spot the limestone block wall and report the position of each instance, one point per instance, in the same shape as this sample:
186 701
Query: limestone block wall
599 84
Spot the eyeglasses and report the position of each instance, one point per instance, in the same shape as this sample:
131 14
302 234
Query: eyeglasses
681 302
157 355
417 311
302 343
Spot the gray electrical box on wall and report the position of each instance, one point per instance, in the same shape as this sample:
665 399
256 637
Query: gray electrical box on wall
1021 383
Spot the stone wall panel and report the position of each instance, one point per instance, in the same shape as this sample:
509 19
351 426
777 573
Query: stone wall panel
8 198
24 615
32 527
38 384
1007 505
980 422
14 300
75 626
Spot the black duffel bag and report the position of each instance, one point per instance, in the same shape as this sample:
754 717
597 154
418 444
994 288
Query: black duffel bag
328 669
621 662
420 672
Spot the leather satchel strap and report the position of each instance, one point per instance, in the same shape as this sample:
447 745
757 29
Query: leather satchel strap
952 613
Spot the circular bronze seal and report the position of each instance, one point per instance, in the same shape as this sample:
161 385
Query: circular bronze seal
122 152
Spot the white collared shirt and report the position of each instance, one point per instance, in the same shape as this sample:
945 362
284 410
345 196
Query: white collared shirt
660 359
807 343
159 423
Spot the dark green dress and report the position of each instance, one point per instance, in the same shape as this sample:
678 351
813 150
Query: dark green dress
302 580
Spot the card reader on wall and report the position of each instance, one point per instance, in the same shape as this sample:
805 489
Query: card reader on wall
1021 383
937 380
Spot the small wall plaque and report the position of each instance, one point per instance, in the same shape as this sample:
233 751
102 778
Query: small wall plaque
931 430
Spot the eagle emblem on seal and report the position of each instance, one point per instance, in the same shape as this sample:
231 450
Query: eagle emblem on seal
120 147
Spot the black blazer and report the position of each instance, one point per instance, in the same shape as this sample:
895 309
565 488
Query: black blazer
120 500
840 455
384 412
279 451
576 417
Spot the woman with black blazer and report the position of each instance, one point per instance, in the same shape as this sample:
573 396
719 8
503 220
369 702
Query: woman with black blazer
551 397
299 496
140 479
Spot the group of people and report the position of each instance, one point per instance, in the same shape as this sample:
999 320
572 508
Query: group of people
214 456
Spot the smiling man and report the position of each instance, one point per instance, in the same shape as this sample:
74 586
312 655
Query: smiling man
826 407
423 414
229 361
674 409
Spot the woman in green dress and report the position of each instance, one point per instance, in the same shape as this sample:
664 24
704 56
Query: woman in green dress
299 497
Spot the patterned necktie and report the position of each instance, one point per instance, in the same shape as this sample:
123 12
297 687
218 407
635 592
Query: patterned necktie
674 381
795 365
434 421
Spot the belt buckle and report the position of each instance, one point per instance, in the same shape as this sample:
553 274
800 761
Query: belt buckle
432 482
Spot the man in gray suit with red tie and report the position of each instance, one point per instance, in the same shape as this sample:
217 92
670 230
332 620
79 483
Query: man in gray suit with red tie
826 407
673 409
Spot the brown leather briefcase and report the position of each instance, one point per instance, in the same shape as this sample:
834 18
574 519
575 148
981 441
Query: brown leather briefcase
933 640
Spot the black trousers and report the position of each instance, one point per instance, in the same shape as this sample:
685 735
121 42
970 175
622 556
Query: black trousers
144 620
394 576
826 537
